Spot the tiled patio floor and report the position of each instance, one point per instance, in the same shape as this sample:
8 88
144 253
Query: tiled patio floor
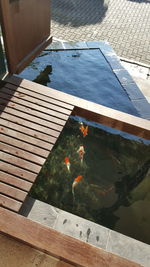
125 24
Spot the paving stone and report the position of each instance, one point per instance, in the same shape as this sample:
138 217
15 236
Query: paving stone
82 229
133 91
114 61
143 108
123 76
129 248
125 24
39 211
55 46
75 45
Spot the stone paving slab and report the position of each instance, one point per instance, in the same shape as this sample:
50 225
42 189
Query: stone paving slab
124 23
128 247
82 229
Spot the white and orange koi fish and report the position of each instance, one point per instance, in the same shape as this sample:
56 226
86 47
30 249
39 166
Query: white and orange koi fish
81 152
67 163
75 183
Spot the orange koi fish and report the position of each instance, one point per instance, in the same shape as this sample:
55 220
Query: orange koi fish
81 153
84 130
75 182
67 162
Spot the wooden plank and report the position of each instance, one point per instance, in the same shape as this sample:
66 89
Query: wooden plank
56 244
20 19
35 96
15 181
9 203
32 167
56 110
21 154
25 134
46 91
33 109
123 122
28 138
98 113
21 112
12 192
24 146
16 171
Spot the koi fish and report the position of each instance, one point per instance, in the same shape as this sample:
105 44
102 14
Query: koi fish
84 130
75 183
81 153
67 162
81 127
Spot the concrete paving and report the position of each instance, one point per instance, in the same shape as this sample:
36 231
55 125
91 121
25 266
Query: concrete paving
125 24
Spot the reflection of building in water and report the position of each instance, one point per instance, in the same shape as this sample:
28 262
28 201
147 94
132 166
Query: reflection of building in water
43 77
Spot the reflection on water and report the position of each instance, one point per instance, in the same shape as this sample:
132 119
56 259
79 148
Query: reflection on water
43 77
83 73
100 175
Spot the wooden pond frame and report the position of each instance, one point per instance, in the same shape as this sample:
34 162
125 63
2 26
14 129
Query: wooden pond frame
25 108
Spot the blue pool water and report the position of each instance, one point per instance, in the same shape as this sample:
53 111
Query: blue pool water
82 73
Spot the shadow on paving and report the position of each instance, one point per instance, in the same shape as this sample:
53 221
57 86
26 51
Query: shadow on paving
79 12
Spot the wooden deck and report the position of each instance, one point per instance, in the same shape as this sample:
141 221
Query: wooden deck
30 125
32 117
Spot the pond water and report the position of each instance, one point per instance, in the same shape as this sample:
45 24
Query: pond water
100 174
83 73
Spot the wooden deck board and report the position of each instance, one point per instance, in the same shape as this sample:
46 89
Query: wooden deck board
10 203
37 95
16 171
15 181
21 154
13 192
34 96
29 108
19 162
30 123
26 146
24 133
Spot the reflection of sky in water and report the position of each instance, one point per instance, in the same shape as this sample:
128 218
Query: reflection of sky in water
83 73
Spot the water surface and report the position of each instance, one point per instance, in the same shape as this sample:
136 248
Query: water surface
83 73
115 187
